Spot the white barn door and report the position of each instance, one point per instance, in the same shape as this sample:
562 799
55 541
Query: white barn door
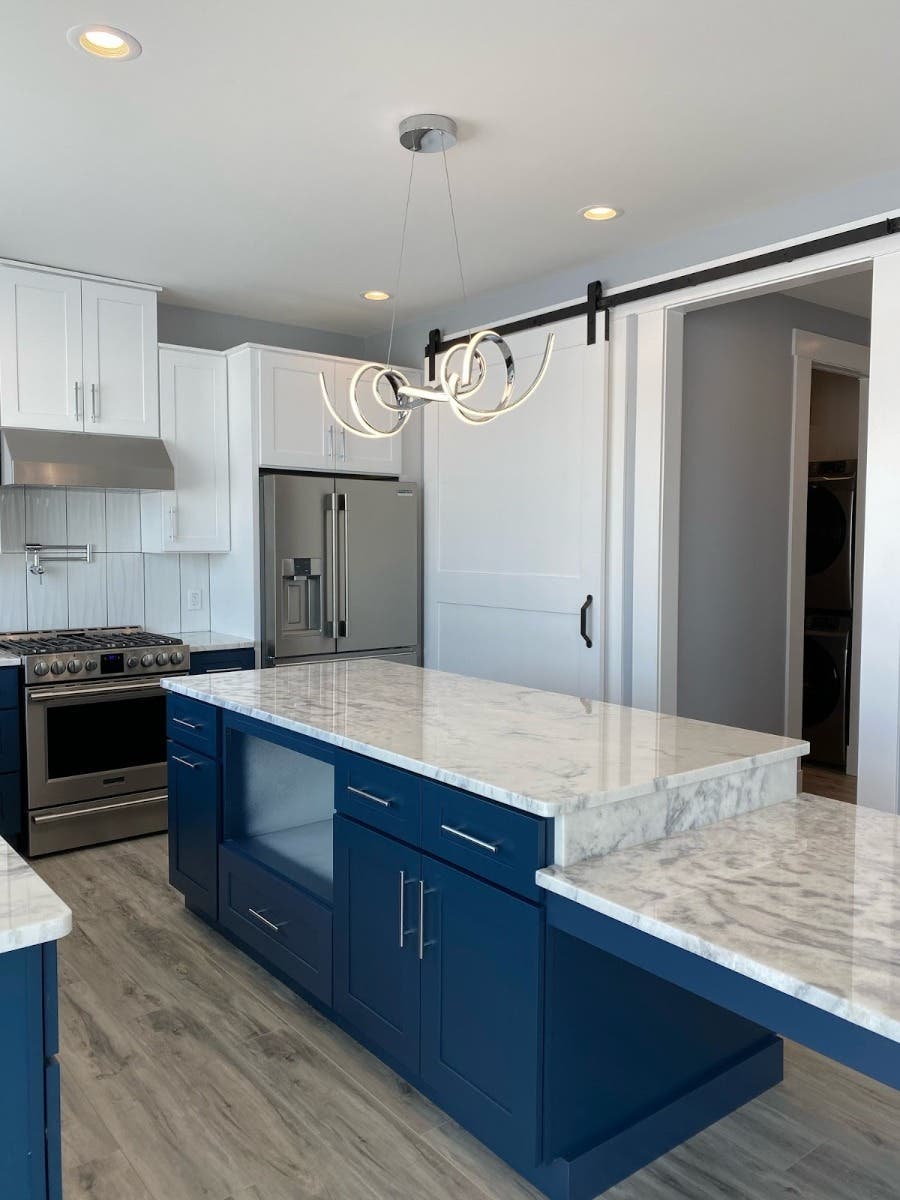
514 525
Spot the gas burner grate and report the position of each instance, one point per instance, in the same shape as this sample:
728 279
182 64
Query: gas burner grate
67 641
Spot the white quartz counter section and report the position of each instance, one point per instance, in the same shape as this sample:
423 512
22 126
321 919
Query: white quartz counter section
543 752
29 912
803 896
8 660
211 639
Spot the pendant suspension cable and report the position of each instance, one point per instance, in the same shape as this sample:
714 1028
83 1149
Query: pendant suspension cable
412 167
462 281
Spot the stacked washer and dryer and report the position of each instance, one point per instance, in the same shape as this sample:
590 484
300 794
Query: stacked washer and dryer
828 641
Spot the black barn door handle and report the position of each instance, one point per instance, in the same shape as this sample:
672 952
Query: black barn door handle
588 601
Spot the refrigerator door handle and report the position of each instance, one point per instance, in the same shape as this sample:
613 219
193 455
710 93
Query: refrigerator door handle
331 568
344 509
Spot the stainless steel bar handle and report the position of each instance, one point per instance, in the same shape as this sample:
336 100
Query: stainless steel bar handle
265 920
223 670
493 847
77 411
186 724
368 796
94 409
329 453
98 808
421 919
331 568
343 445
344 508
62 692
186 762
402 907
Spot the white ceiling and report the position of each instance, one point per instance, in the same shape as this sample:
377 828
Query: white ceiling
248 160
849 293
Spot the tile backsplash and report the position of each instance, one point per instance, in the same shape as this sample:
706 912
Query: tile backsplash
122 586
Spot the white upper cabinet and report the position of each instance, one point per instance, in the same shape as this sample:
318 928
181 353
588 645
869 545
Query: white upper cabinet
77 354
119 364
40 350
193 420
295 428
364 456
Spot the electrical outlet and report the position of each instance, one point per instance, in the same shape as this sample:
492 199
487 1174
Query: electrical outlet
194 599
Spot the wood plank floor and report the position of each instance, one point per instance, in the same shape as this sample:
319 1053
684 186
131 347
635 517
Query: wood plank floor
826 781
189 1074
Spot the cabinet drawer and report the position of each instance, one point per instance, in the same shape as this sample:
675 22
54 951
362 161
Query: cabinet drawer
9 687
193 724
9 739
497 843
218 662
380 796
290 929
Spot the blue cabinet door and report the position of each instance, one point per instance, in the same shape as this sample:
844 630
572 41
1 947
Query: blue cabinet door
481 1009
194 824
376 957
24 1131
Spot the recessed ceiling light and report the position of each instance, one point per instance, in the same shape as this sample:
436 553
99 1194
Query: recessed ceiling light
103 41
600 212
376 295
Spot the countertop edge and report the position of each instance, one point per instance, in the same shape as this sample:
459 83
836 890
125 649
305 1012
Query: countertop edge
36 933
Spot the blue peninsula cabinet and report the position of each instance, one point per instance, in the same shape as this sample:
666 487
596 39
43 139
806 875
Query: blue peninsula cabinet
407 911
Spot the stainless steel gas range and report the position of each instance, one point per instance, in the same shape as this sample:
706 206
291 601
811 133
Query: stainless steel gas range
95 733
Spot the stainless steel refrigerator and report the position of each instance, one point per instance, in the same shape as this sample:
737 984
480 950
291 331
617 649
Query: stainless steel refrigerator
341 574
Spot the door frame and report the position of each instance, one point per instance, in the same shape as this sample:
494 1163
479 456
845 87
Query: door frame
652 583
815 351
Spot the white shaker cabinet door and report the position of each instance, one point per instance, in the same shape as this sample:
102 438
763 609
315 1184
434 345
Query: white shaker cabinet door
364 456
120 353
295 428
193 418
40 350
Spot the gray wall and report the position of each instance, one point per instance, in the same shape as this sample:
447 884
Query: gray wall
735 487
221 331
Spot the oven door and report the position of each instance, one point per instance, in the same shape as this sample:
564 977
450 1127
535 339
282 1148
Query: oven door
86 742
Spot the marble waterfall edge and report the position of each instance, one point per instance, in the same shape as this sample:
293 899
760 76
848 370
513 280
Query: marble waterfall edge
634 820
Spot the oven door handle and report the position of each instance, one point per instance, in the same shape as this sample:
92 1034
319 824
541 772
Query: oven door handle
62 692
99 808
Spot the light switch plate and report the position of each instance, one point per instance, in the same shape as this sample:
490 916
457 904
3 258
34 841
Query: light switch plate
194 599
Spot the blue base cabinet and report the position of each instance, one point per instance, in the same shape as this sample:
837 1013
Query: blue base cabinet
221 662
30 1138
407 912
11 798
442 972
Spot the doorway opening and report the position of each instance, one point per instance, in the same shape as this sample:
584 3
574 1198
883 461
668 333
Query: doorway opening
773 396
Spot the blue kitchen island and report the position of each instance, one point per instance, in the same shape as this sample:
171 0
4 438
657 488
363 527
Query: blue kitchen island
394 844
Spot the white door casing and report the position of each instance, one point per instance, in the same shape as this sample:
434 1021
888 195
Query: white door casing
514 525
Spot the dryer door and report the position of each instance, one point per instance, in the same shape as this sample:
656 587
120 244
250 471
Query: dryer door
829 545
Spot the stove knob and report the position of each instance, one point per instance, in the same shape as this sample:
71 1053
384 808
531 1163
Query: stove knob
177 658
41 669
146 660
91 664
73 666
58 666
131 663
162 659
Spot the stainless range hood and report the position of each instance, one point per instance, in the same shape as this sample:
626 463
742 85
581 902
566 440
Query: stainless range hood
47 459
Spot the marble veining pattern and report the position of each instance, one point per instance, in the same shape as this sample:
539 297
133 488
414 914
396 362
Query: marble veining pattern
211 639
29 912
542 752
803 896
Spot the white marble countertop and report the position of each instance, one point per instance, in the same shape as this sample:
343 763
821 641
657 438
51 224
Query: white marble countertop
29 912
803 896
211 639
8 660
542 752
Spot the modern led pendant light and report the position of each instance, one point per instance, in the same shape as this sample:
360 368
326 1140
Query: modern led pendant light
463 368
